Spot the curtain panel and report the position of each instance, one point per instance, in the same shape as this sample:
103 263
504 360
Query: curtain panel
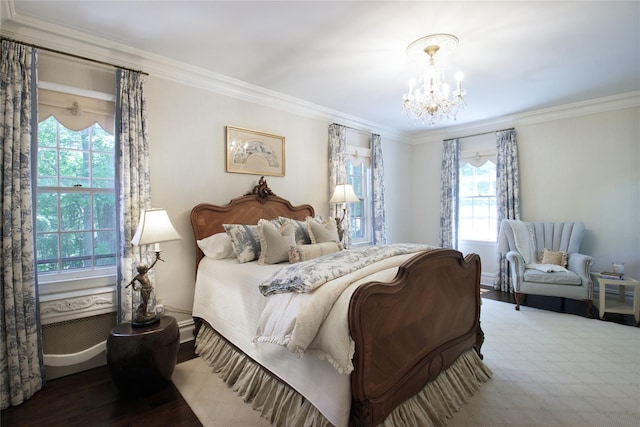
377 173
507 196
133 183
449 191
21 360
338 172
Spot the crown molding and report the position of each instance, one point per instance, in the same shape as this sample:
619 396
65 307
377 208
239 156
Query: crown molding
576 109
52 36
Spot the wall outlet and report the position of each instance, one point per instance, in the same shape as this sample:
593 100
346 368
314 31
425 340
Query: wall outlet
159 308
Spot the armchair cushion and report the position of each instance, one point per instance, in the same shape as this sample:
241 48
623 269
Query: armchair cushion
556 277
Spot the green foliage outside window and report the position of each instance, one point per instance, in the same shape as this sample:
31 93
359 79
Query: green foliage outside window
75 202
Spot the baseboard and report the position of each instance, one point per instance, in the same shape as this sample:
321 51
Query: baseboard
186 330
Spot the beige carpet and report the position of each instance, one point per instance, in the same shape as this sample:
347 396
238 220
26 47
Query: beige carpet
550 369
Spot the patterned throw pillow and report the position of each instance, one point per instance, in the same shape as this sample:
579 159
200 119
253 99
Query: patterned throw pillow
554 257
327 231
301 230
245 241
275 242
306 252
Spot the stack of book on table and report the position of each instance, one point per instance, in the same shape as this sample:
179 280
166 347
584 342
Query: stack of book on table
611 275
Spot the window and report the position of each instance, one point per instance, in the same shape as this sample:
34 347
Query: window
359 176
477 202
76 231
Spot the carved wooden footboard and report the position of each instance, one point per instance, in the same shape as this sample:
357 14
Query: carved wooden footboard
410 330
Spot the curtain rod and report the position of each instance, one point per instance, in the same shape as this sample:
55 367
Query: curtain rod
355 129
84 58
478 134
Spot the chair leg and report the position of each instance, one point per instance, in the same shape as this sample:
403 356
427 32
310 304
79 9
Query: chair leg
519 299
589 305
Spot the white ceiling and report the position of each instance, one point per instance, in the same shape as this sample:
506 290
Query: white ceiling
349 56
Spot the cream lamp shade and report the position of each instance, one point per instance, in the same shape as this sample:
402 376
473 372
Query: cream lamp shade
344 194
154 227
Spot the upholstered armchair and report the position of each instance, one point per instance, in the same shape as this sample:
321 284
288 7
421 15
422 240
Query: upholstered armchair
544 260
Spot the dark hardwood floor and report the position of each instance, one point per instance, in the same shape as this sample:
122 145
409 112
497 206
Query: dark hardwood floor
91 398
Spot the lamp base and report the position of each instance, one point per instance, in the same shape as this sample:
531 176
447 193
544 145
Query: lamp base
142 321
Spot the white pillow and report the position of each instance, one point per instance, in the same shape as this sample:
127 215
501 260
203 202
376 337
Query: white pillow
217 246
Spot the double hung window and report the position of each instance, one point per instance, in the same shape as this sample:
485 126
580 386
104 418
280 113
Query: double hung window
75 201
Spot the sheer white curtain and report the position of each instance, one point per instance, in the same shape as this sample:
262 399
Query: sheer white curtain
134 184
449 191
21 363
507 196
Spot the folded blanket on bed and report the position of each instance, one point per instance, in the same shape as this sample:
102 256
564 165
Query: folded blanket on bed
309 275
316 322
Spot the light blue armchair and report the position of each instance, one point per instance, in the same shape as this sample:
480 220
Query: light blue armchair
524 244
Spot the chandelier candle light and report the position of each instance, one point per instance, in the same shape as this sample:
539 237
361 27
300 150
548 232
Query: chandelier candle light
154 227
430 99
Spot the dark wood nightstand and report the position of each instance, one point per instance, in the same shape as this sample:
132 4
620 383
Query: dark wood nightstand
142 359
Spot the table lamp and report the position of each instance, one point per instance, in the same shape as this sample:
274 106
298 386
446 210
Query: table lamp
342 194
154 227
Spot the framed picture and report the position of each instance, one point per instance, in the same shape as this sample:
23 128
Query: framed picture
259 153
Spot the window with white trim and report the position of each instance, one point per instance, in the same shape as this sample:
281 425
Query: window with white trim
75 201
477 213
358 163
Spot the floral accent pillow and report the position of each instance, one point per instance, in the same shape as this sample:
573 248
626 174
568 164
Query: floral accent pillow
245 241
301 230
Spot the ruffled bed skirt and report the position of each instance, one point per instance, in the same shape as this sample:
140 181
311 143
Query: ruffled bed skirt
283 406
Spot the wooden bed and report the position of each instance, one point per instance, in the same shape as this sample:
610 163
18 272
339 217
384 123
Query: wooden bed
406 332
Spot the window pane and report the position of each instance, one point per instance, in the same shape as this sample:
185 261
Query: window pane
105 247
47 166
75 210
47 251
104 211
74 164
46 212
103 170
48 133
76 250
101 139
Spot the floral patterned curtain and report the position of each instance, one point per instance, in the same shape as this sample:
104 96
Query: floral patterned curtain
134 184
449 194
377 172
21 362
338 172
507 196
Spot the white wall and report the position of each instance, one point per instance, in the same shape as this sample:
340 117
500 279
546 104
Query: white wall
583 167
187 154
188 161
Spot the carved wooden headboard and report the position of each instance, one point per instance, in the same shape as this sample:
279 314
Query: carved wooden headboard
207 219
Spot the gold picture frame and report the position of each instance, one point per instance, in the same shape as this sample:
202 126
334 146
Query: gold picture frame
253 152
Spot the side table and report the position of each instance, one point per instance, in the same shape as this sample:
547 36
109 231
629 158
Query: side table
610 305
142 359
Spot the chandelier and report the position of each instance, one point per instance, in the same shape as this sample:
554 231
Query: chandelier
430 99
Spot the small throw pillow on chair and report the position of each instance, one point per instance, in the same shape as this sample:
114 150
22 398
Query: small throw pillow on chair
554 257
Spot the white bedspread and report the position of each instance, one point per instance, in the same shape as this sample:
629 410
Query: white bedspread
302 321
227 297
